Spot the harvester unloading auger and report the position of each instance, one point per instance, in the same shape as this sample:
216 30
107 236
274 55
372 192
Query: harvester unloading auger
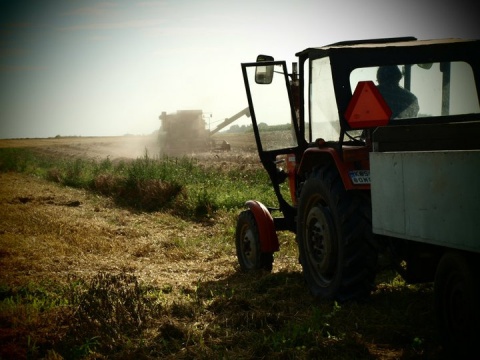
186 131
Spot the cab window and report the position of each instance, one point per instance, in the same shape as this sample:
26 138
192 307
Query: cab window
323 106
423 90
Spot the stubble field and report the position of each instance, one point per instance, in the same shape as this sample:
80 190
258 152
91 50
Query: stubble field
82 277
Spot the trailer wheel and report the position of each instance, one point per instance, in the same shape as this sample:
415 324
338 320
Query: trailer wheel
457 299
247 243
337 250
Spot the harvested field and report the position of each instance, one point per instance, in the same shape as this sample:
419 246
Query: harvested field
83 278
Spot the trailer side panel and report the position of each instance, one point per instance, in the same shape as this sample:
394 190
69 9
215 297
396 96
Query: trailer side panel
427 196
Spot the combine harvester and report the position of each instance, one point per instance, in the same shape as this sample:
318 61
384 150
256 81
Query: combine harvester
185 131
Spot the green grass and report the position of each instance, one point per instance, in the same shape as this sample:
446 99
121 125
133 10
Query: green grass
178 185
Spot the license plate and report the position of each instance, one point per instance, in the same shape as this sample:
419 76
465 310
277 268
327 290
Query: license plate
360 176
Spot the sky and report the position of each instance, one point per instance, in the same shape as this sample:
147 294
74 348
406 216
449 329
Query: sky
109 68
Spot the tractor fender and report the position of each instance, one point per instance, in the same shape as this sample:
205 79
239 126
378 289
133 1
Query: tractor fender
266 228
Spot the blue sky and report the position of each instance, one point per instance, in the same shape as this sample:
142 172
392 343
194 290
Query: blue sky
101 68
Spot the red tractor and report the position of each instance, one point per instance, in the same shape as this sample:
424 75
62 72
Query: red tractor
381 160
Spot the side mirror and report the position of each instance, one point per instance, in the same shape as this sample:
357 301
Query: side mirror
264 74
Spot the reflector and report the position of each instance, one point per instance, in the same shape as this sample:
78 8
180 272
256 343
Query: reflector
367 108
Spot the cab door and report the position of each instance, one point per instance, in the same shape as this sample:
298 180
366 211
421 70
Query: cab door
276 131
270 100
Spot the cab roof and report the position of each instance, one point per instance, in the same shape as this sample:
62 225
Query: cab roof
384 45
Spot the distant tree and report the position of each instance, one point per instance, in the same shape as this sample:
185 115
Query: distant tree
262 126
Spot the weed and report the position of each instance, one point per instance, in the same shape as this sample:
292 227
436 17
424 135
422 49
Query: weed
206 204
112 311
179 185
15 160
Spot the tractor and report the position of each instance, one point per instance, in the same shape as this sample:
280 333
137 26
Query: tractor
380 165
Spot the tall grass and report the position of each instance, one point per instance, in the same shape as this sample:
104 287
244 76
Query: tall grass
179 185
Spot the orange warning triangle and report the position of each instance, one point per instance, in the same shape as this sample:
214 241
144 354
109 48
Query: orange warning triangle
367 108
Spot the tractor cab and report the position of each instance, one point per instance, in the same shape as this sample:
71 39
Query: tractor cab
328 108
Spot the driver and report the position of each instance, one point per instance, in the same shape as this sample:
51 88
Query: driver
402 102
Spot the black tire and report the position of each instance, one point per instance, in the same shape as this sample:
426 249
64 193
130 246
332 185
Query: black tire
247 243
457 301
337 249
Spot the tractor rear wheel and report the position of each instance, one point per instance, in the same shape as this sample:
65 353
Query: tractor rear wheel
457 299
247 243
337 250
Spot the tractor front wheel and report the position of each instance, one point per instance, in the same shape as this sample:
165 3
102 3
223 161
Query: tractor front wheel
247 243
